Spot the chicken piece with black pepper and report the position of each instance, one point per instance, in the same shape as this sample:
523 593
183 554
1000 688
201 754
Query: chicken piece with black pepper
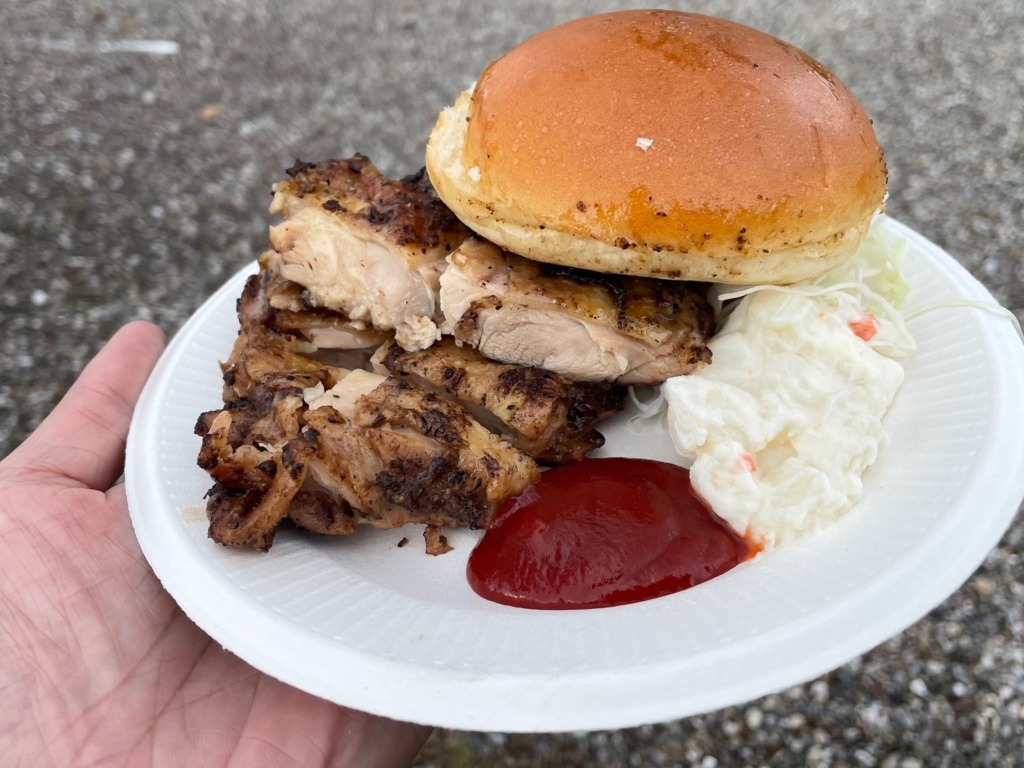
401 454
585 326
365 246
370 450
543 414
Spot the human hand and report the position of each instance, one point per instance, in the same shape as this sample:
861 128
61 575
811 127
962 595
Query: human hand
98 665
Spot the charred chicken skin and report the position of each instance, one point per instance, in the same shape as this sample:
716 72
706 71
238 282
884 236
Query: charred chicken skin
368 450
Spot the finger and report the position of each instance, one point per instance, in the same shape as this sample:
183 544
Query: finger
82 441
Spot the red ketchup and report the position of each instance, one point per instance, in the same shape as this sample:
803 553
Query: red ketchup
602 532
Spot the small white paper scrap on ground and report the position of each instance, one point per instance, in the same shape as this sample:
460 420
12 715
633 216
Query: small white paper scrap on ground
644 144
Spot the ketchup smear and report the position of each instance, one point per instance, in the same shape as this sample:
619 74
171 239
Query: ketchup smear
602 532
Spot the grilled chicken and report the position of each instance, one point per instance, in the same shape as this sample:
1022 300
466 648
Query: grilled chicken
265 354
368 247
544 415
371 449
289 309
357 262
253 491
585 326
302 438
264 380
401 454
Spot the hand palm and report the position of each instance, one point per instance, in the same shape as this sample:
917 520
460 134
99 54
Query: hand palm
98 663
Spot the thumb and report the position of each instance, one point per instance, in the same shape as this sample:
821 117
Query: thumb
83 439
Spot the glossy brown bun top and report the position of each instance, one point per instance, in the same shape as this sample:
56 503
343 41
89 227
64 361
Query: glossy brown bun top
662 143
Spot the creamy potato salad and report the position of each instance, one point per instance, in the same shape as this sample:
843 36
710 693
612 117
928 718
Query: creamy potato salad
782 425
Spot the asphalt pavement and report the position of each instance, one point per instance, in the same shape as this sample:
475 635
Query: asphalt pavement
138 143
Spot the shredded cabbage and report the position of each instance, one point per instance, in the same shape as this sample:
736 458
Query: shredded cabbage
876 265
870 279
647 409
988 306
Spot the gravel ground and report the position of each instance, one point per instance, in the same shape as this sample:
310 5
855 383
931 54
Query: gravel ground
134 179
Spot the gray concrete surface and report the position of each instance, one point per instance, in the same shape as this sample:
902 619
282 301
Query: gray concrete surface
134 179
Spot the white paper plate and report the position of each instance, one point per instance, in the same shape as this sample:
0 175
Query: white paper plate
395 632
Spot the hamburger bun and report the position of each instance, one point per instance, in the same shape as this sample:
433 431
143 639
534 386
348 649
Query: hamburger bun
662 144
